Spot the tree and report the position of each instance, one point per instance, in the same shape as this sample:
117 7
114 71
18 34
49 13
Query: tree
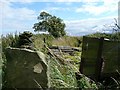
54 25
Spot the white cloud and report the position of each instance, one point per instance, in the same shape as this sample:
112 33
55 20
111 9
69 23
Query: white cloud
89 6
22 18
16 18
94 9
49 9
86 26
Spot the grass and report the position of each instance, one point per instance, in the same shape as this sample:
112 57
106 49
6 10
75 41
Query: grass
86 83
61 76
67 41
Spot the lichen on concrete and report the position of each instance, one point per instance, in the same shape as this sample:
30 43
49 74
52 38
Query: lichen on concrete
26 69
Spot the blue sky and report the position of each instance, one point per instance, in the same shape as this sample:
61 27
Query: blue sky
80 16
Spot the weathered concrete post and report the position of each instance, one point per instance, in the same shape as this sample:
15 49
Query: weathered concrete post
26 69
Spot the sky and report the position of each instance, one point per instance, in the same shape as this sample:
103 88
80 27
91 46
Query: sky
80 16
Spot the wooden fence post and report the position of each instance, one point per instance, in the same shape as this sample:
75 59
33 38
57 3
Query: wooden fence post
99 60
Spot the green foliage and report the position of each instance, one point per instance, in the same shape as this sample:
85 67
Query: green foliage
9 40
114 36
38 41
98 35
75 58
67 41
61 76
24 38
54 25
86 83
